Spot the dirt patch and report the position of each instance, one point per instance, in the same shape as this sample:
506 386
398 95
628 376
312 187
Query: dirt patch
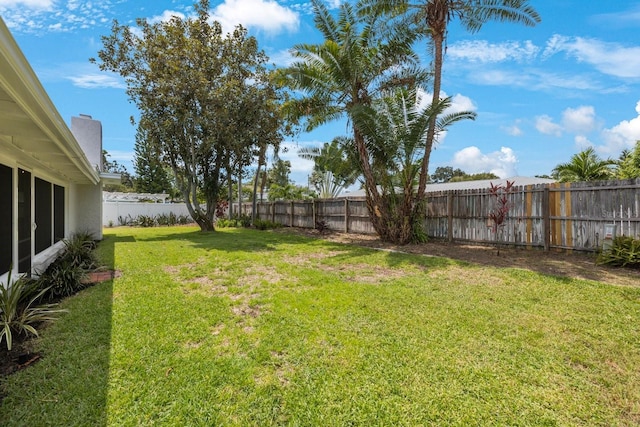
364 273
570 264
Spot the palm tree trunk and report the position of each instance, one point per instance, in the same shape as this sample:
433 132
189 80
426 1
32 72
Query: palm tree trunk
438 41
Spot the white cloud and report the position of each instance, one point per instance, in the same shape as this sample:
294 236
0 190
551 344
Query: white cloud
282 58
513 130
472 160
580 120
36 4
97 81
460 103
623 135
39 16
582 142
545 125
121 155
608 58
483 51
266 15
166 16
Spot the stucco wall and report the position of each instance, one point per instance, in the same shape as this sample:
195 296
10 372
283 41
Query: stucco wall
86 210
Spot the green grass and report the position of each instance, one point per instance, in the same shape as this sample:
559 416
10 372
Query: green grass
244 327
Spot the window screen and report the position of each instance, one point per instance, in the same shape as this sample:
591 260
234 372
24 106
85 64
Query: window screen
58 213
43 210
6 218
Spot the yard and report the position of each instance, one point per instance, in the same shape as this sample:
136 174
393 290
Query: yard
244 327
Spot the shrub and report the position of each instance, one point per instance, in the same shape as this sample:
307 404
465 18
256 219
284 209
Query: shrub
624 252
265 224
227 223
146 221
65 276
244 220
19 313
125 220
322 226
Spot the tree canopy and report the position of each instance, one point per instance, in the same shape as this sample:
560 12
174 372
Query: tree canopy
187 79
585 166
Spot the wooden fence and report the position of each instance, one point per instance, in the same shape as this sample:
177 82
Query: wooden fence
578 216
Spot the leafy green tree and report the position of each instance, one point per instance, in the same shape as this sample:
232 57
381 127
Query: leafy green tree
289 192
474 177
151 173
184 76
432 18
584 166
356 62
445 174
279 173
629 163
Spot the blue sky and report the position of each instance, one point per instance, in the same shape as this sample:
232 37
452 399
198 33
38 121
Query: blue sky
541 94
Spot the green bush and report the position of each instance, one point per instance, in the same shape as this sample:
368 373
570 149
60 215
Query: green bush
19 312
265 224
65 276
624 252
227 223
146 221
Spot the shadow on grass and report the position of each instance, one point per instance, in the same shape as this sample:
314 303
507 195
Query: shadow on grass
69 385
229 240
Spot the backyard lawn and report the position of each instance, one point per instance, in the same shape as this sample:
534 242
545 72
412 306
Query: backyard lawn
255 328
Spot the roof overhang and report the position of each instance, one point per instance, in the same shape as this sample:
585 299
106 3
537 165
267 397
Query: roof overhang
31 129
110 178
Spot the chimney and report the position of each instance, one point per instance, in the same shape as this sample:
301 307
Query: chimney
88 133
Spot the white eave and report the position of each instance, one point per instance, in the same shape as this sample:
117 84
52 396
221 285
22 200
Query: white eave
31 129
110 178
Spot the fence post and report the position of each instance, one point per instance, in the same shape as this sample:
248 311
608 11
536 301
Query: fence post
546 219
450 216
291 215
272 205
313 213
346 215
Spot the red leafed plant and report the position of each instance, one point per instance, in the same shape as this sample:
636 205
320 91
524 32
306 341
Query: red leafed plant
498 215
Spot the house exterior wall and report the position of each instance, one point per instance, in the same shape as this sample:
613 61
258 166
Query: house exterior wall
86 210
51 174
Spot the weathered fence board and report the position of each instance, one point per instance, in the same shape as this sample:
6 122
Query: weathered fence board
560 215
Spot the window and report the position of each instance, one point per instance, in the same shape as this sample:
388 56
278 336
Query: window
58 213
24 221
6 218
43 210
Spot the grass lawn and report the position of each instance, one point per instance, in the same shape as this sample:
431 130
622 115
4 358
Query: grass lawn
243 327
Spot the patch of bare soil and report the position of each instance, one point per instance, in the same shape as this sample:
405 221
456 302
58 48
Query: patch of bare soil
572 264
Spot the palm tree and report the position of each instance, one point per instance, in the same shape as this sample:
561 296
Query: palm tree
337 157
629 163
584 166
395 129
432 17
353 64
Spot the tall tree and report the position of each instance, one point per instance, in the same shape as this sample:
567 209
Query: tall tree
151 172
395 128
432 18
357 60
584 166
183 75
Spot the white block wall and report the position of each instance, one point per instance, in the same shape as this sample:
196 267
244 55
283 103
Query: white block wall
112 210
